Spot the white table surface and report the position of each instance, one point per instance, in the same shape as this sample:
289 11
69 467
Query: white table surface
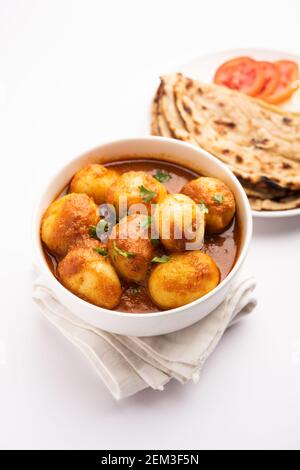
72 75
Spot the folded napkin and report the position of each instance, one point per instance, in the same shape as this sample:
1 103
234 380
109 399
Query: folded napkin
128 365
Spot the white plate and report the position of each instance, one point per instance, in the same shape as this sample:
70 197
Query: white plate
204 68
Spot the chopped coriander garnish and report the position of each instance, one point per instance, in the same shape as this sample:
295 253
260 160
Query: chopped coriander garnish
162 176
147 194
161 259
203 208
93 231
101 251
155 241
146 223
219 198
135 290
119 251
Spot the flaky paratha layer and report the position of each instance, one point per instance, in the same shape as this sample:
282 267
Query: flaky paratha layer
259 143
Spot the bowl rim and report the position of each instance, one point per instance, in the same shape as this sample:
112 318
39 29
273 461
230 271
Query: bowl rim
247 226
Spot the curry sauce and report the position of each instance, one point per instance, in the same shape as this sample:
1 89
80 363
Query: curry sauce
223 248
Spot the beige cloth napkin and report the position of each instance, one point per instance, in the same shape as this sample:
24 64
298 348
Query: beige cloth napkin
128 365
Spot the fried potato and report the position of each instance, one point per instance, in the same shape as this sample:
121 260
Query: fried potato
135 187
94 180
184 278
66 221
218 200
180 222
88 242
91 276
130 247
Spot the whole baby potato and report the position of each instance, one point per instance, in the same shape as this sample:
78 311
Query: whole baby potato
89 275
135 187
88 242
94 180
180 222
67 220
218 200
130 247
184 278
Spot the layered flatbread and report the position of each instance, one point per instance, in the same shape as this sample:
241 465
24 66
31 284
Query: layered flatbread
260 143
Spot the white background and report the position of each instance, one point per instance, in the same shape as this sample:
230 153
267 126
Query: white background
72 75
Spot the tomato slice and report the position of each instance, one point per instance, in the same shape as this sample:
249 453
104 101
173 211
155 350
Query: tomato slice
287 85
272 77
243 74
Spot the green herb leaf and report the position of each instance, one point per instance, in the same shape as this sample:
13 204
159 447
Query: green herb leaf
101 251
93 231
147 194
218 198
135 290
161 259
119 251
146 223
162 176
203 208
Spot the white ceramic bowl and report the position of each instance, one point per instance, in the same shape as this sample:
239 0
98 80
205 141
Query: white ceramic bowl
142 324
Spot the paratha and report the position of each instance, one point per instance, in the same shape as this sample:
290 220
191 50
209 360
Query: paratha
275 205
260 143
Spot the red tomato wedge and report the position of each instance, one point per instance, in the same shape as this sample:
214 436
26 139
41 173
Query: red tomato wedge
272 77
287 85
243 74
